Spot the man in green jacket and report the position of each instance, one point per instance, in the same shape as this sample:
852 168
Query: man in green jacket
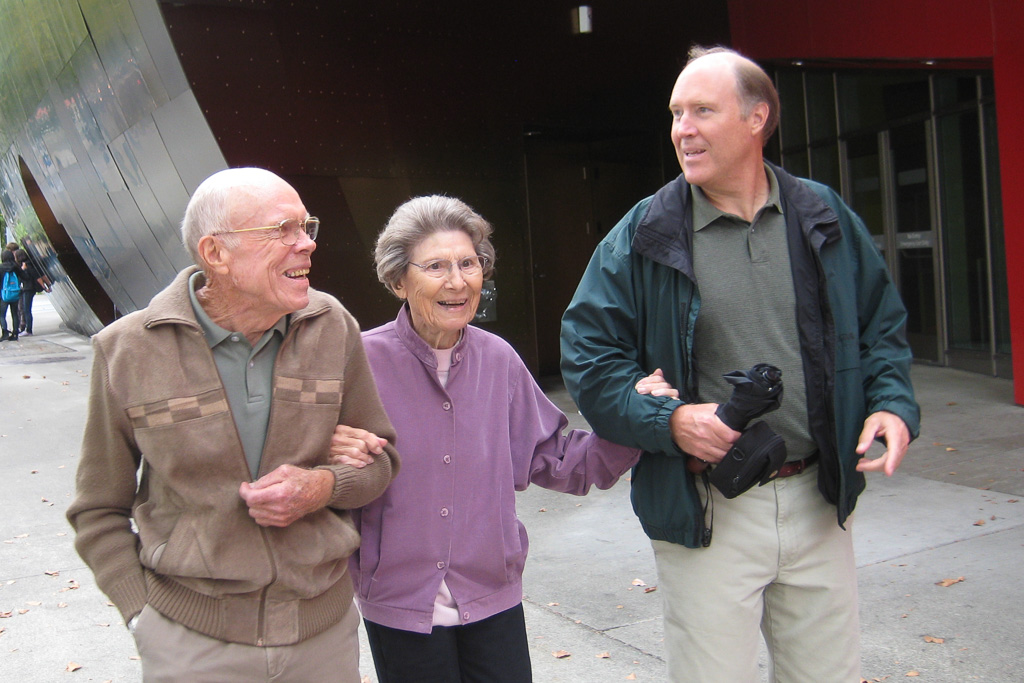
733 263
206 506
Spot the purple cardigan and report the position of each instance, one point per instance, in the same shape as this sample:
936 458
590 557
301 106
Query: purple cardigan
466 449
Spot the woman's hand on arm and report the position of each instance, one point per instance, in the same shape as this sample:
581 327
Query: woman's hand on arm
655 384
354 447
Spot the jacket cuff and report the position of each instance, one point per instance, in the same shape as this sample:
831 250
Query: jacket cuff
663 421
129 595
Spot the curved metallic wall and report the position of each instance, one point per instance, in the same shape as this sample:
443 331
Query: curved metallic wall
103 142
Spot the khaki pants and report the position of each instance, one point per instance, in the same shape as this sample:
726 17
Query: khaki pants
778 565
172 653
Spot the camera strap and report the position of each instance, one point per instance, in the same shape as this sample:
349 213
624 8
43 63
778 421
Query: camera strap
709 505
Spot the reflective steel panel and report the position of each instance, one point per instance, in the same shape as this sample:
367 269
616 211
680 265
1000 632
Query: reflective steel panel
101 142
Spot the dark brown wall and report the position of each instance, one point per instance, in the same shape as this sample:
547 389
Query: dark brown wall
363 105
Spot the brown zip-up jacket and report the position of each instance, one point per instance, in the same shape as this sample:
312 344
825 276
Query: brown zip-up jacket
161 448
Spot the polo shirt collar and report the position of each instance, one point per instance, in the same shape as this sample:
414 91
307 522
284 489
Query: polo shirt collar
213 332
705 213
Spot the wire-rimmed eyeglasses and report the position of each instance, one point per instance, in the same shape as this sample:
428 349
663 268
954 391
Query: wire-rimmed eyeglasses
470 265
287 231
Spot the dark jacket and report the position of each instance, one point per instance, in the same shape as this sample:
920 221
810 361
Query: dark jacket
9 266
635 311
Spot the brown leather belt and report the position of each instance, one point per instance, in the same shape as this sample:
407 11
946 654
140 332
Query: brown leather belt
796 467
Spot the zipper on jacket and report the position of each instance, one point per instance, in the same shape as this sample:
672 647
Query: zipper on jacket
261 623
703 528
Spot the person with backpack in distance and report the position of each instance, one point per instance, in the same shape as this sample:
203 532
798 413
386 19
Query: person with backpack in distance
35 281
11 278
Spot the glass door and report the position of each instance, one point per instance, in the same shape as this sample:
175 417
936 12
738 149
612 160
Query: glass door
890 187
914 235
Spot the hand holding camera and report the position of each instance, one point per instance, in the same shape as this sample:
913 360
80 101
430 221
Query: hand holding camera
758 454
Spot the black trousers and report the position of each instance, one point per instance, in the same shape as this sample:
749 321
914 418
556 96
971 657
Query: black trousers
493 650
15 319
26 310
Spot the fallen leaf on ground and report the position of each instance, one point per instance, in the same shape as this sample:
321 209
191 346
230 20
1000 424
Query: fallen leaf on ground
52 573
980 522
650 589
933 639
638 582
912 673
561 654
73 667
631 677
950 449
552 604
603 655
946 583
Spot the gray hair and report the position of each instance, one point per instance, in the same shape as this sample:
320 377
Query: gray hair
212 206
753 85
419 218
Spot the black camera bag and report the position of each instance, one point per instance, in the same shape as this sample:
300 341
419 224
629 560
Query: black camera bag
755 458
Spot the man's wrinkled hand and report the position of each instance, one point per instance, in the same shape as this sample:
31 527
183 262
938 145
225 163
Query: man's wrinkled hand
698 431
893 430
287 494
355 447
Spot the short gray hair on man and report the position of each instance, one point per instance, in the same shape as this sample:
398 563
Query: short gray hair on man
753 85
212 206
417 219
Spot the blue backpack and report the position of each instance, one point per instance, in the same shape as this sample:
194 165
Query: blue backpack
11 291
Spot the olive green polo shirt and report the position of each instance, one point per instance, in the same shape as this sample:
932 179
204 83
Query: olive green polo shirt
748 309
247 373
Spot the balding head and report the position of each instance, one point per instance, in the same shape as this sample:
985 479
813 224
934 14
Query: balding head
223 202
753 86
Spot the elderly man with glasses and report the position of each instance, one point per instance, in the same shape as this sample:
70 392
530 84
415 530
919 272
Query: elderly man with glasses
206 505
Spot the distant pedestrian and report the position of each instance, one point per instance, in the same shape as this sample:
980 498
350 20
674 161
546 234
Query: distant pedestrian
8 266
35 281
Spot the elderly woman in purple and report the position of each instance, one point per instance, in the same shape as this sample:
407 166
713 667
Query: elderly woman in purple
438 576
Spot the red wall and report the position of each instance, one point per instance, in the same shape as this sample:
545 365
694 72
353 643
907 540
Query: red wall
862 29
1008 67
972 31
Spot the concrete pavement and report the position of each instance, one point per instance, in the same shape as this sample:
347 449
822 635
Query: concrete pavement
950 513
